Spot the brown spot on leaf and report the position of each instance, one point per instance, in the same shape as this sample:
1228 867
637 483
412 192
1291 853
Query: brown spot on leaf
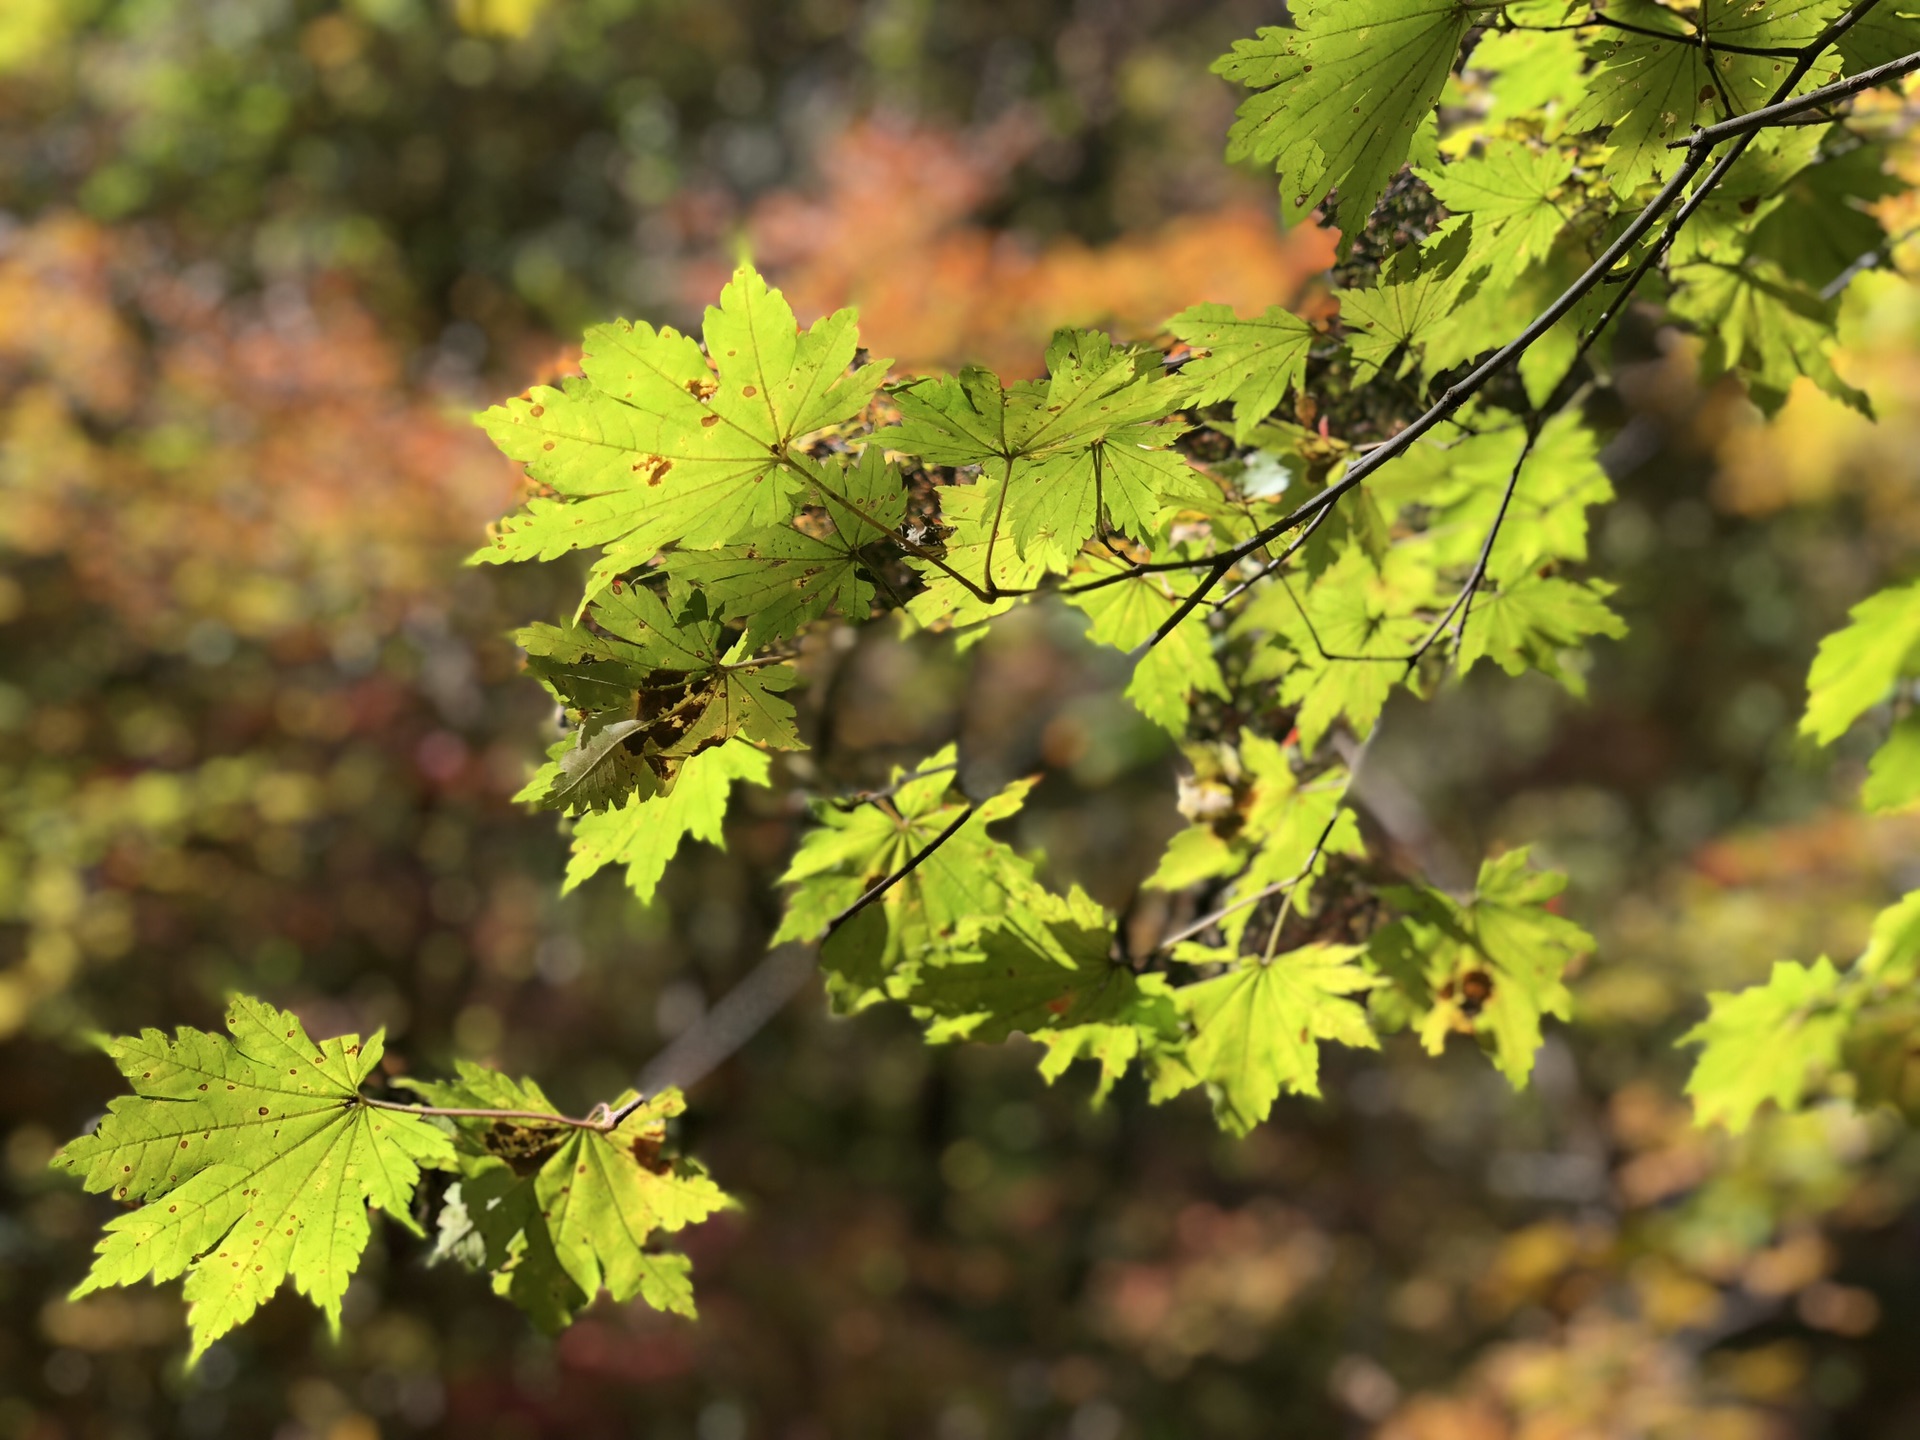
646 1154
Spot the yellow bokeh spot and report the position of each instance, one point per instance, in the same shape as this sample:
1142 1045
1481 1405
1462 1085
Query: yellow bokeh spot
508 19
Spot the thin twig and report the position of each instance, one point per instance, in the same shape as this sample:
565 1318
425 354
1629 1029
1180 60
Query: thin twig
898 875
1274 564
600 1118
913 548
887 792
1698 149
1463 603
1697 39
1774 114
1872 260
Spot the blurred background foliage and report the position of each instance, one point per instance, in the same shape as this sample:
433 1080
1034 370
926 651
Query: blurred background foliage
258 727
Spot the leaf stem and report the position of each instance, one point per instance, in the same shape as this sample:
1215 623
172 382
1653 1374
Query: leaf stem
806 463
601 1118
898 875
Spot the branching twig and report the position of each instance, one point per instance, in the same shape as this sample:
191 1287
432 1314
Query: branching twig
1779 111
1699 38
1698 148
913 548
1463 603
1274 564
887 792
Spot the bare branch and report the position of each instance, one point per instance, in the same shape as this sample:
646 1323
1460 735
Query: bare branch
1783 110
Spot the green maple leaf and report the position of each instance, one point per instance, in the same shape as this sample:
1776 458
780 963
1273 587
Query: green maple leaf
1892 955
1460 483
1512 192
1857 666
1271 832
1054 453
1253 362
1796 203
1342 646
648 692
973 548
1045 964
565 1211
1491 966
1485 312
1648 91
1767 1042
1528 624
1893 774
1417 290
968 883
1765 324
1257 1029
1127 476
1341 96
1126 613
1196 854
1288 819
1533 75
1884 33
781 578
252 1160
659 445
1114 1048
646 831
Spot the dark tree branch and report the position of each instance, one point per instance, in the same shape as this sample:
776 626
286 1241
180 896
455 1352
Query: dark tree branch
1698 148
1784 110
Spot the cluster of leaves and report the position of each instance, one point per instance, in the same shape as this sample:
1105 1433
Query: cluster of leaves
744 494
1815 1028
748 491
256 1159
